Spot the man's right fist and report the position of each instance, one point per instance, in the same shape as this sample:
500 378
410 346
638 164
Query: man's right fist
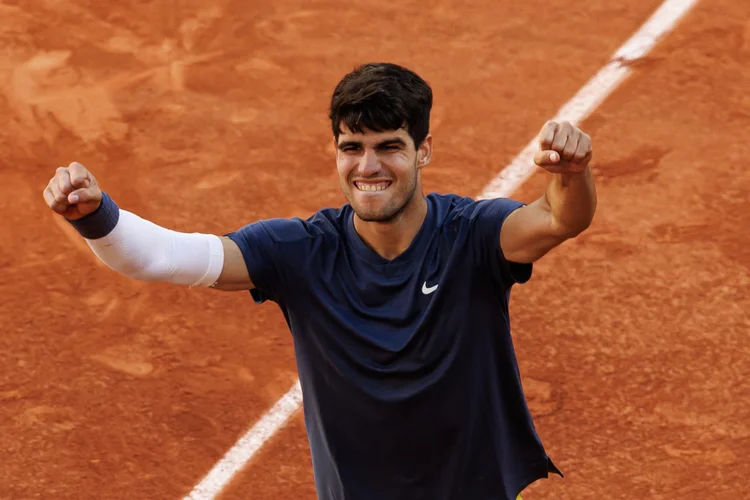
73 192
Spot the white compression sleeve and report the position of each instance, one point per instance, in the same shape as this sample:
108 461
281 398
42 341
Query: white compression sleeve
144 251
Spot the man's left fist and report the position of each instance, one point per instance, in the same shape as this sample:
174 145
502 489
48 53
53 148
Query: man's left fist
563 148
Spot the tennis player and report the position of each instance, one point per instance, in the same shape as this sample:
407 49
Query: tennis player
397 301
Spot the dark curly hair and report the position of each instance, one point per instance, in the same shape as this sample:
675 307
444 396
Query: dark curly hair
380 97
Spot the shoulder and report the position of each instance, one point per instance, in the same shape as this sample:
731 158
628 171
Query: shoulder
330 218
456 208
449 206
468 216
326 222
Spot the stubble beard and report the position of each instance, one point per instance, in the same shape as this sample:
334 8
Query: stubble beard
388 213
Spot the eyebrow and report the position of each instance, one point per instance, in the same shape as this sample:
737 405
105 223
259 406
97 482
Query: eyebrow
388 142
347 144
391 142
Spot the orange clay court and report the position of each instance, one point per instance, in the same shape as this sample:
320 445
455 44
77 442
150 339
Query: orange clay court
633 340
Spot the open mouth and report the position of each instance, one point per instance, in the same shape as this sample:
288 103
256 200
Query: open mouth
371 187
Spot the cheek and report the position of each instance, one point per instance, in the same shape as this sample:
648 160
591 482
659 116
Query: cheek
344 168
403 168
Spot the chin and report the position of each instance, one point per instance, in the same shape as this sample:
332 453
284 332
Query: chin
378 208
380 214
370 216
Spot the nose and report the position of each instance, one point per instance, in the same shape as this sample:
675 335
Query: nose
369 164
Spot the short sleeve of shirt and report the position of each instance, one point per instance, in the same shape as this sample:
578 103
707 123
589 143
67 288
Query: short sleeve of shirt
489 216
270 249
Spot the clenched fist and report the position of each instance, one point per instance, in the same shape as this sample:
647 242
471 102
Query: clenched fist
73 192
563 148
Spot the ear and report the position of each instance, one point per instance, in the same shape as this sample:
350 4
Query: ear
424 152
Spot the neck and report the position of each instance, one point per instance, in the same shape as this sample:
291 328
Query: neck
390 239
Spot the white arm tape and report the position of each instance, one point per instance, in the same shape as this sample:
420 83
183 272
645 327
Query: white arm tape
144 251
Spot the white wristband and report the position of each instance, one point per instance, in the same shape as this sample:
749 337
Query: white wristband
144 251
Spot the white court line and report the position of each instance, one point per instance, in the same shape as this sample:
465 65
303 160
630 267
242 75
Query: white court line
248 445
507 181
594 92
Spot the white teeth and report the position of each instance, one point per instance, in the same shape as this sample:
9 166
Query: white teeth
379 186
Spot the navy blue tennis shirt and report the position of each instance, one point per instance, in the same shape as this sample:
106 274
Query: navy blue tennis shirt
409 377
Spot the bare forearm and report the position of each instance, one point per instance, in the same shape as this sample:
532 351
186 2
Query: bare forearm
567 207
572 201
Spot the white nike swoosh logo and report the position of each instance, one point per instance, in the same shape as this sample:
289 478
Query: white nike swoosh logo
428 290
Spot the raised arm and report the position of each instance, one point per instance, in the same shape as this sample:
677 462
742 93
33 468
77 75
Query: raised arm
567 207
140 249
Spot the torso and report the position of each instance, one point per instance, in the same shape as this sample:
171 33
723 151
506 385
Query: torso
409 377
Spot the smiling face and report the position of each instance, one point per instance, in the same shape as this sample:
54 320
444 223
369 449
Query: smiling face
380 172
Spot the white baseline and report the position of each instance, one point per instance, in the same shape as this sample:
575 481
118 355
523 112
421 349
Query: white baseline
514 175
